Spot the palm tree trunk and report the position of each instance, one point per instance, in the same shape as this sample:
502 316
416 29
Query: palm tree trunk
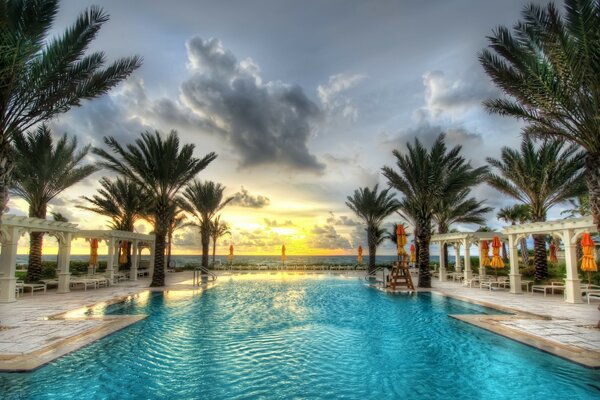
214 249
205 239
170 239
524 251
5 171
423 236
540 257
372 243
504 252
162 224
34 268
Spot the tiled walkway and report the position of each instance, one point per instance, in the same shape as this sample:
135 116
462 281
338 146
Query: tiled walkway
545 322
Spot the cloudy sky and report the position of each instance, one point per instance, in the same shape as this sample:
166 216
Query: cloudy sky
303 101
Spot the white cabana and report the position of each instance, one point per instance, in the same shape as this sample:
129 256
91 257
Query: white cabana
13 227
113 239
464 239
568 231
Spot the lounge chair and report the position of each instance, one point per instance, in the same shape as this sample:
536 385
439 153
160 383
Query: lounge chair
592 294
32 286
551 287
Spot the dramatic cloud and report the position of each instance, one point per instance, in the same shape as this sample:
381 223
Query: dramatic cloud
266 123
342 221
447 95
333 98
326 237
272 223
245 199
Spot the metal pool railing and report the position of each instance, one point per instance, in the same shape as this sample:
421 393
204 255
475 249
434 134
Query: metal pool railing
203 276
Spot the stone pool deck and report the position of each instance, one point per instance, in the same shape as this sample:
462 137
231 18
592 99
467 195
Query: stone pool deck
40 328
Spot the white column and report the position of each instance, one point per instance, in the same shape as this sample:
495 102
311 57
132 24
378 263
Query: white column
134 261
515 275
481 267
116 255
443 276
572 287
468 271
458 266
110 272
64 260
8 265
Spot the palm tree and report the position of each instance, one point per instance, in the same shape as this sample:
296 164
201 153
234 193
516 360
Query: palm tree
42 170
548 66
426 177
372 207
204 200
539 177
58 217
42 77
218 229
580 207
159 166
176 221
459 209
121 200
511 215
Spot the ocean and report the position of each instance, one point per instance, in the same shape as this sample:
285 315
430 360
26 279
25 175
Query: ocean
250 260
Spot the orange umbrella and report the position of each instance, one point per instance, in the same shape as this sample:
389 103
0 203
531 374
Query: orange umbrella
485 258
360 255
588 262
93 251
230 256
553 258
123 255
496 259
283 253
413 258
400 239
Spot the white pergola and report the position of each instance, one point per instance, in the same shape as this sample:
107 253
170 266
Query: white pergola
464 239
568 231
13 227
113 239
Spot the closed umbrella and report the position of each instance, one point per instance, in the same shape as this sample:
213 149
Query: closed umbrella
485 257
413 257
400 240
360 255
588 262
123 255
497 262
553 258
93 251
230 256
283 253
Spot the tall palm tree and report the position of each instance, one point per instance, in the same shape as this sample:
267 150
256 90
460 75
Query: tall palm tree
121 200
511 215
176 221
372 207
540 177
42 77
424 178
204 200
459 209
548 66
42 170
218 229
162 168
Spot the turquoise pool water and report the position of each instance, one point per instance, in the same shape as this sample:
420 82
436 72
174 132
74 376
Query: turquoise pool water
302 338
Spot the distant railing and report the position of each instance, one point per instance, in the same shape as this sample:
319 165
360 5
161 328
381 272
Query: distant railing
203 275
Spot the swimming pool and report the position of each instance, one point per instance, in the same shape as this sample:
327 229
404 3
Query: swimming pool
302 337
